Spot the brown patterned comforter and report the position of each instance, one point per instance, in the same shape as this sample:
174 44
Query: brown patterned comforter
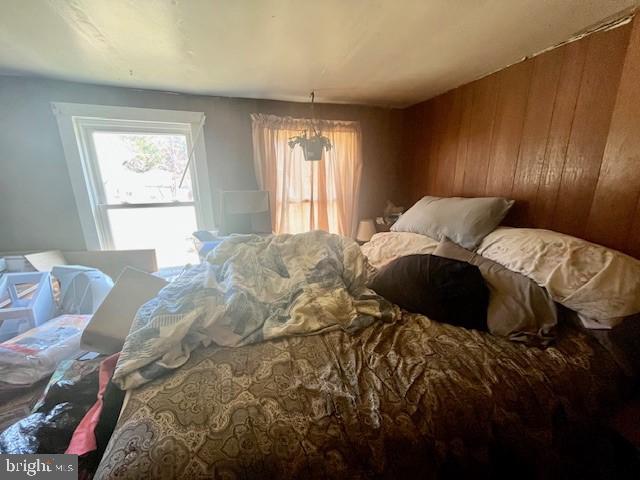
410 397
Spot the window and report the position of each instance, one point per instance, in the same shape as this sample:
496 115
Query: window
126 167
308 188
308 195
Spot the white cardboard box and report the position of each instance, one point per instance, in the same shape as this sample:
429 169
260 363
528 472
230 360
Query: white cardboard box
111 262
110 324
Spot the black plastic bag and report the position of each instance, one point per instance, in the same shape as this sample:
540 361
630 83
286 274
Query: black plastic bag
70 393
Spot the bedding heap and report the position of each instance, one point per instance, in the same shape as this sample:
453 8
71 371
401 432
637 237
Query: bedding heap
252 288
527 270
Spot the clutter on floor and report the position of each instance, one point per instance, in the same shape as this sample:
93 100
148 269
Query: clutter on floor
76 414
56 393
70 393
17 401
26 301
111 322
33 355
84 439
110 262
82 289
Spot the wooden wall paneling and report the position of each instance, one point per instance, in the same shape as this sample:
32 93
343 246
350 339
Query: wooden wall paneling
466 99
535 132
437 124
409 140
514 83
557 133
414 137
600 79
422 128
485 98
447 176
573 60
426 119
618 189
449 148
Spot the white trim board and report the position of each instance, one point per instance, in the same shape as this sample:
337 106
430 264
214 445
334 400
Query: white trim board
76 120
126 113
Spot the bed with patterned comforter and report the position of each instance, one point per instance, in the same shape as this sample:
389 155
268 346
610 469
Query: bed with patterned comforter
412 398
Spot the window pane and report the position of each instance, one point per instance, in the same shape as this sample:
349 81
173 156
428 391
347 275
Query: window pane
142 168
167 229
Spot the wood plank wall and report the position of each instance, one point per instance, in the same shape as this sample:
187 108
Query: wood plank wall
559 133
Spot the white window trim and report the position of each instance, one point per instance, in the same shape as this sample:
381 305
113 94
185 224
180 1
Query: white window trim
76 120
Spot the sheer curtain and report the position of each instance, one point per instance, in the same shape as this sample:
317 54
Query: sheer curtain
309 195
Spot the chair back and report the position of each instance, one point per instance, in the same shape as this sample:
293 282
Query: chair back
244 211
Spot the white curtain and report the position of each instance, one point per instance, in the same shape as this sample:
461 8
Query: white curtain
309 195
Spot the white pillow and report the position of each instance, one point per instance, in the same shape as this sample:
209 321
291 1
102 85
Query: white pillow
464 221
602 285
385 247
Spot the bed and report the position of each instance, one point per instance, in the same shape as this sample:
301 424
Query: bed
414 397
404 398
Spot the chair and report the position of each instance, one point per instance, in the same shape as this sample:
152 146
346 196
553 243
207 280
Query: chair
239 211
244 211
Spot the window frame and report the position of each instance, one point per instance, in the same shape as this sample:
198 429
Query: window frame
78 122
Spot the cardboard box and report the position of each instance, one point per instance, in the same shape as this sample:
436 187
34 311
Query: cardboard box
111 262
110 324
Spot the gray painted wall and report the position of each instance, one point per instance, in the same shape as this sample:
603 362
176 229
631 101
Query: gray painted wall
37 207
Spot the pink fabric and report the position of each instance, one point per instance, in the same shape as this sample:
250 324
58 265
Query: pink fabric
84 439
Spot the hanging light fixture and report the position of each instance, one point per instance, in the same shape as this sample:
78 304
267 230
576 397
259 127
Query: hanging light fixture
311 140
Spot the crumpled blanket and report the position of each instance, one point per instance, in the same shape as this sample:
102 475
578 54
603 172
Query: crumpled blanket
250 289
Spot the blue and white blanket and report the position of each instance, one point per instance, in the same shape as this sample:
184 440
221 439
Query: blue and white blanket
252 288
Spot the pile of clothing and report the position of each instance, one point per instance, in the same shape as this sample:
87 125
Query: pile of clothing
76 414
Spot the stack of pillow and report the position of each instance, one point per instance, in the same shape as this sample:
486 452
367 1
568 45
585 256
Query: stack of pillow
526 270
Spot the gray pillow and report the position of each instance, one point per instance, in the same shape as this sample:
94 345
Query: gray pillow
466 221
518 308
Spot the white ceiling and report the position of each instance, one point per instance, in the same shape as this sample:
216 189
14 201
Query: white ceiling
381 52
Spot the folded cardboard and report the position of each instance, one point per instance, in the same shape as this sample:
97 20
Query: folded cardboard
110 324
111 262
